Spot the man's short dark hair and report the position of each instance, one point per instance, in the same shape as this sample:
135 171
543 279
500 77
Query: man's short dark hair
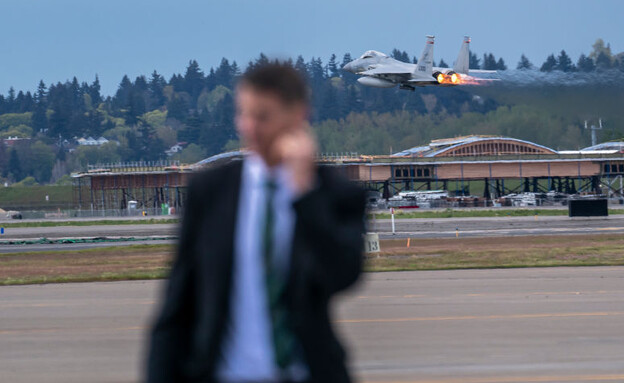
280 79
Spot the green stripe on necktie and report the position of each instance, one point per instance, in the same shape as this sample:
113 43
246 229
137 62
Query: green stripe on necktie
283 337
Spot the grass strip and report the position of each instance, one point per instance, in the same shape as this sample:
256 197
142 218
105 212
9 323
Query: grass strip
499 252
73 278
112 263
509 259
153 261
120 250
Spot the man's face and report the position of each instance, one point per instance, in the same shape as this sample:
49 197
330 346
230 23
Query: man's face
262 118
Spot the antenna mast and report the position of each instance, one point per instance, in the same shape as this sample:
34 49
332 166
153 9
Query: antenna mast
593 129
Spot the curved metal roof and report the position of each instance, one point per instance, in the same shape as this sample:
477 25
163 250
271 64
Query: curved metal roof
218 157
612 145
438 147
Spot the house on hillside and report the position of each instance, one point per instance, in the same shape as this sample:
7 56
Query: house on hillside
13 141
177 148
102 141
90 141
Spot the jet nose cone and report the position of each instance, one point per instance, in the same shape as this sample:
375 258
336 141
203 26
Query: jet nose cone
348 67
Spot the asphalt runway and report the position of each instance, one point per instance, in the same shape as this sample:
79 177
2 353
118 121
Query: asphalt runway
130 230
471 326
414 228
496 226
144 231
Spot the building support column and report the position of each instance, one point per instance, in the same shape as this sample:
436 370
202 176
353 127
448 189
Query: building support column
535 185
595 184
386 190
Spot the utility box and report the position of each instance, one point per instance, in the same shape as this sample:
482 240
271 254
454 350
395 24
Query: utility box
588 207
132 207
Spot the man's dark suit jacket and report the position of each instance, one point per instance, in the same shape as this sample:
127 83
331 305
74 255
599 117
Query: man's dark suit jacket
326 258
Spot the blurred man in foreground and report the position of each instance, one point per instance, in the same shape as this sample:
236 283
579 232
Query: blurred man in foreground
265 243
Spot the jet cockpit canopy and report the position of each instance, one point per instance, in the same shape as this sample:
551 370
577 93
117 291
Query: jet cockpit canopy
371 54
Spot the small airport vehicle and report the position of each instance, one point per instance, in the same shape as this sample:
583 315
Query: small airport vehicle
13 214
418 199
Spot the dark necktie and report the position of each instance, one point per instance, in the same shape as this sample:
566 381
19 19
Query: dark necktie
283 338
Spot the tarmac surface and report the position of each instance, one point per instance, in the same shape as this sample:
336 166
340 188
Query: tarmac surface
414 228
157 233
471 326
496 226
128 230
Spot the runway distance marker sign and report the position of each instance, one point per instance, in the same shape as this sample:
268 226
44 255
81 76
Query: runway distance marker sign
371 243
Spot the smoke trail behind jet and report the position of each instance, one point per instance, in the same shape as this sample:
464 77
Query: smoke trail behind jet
612 77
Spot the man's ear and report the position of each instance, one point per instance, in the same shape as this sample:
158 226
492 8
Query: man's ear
302 112
296 115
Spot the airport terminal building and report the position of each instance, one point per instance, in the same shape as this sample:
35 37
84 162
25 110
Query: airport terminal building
493 166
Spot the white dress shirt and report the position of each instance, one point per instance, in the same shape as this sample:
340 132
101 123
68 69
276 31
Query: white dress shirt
248 354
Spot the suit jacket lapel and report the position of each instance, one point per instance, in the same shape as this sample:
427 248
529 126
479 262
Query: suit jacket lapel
218 250
224 215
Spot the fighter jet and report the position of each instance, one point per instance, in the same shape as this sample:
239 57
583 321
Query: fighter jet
381 71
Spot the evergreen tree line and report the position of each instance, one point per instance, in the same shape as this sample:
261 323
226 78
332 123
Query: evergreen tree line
601 58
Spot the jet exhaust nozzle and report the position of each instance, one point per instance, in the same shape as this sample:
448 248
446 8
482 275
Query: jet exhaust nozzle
439 76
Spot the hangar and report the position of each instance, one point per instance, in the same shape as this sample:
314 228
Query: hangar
493 160
503 165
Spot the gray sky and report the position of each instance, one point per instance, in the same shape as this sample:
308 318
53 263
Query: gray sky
54 40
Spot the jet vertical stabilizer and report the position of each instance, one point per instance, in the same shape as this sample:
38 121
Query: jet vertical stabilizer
462 64
424 67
